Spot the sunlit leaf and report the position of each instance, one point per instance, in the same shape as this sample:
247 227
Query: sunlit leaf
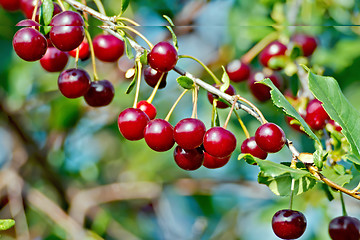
6 224
185 82
174 38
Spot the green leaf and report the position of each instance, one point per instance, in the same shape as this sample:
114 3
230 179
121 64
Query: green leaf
6 224
46 12
174 38
185 82
225 80
132 84
327 90
215 120
280 101
318 159
250 159
277 62
340 178
143 58
124 5
352 158
128 48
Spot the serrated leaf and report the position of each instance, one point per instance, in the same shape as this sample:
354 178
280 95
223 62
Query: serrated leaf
128 48
132 84
352 158
124 5
174 38
327 191
250 159
143 58
327 90
6 224
185 82
225 80
335 176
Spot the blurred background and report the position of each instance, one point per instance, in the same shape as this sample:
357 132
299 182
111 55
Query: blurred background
66 170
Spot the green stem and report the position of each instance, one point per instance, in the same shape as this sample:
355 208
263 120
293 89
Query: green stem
292 193
152 96
214 112
61 5
137 33
343 204
138 80
127 20
174 105
77 57
92 54
246 132
195 99
100 6
217 81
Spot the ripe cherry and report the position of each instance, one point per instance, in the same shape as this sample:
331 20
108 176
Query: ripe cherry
108 48
275 48
316 116
152 77
219 142
158 135
29 44
54 60
28 23
270 137
238 71
147 108
288 224
188 159
27 7
307 43
100 93
84 51
10 5
215 162
67 31
260 91
231 91
131 123
163 57
249 146
189 133
344 228
74 83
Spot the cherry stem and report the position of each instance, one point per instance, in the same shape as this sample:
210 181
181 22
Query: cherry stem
92 54
231 110
138 80
134 31
292 193
61 5
195 99
263 120
100 6
77 57
356 188
214 112
174 105
246 132
343 204
152 96
127 20
217 81
33 16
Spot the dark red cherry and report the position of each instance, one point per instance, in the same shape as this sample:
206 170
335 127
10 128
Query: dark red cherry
28 23
231 91
344 228
108 48
307 43
260 91
132 122
100 93
74 83
163 57
289 224
152 77
10 5
147 108
189 133
249 146
54 60
84 51
270 137
219 142
57 9
316 116
238 71
273 49
188 159
215 162
158 135
29 44
27 7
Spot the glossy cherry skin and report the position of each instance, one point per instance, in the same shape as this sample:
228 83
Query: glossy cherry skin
163 57
316 116
189 133
100 93
147 108
249 146
158 135
238 71
74 83
270 137
188 159
273 49
29 44
344 228
212 162
260 91
10 5
54 60
289 224
307 43
84 51
108 48
27 7
131 123
231 91
152 77
28 23
219 142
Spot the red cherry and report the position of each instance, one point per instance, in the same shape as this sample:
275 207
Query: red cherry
219 142
249 146
147 108
152 77
10 5
231 91
316 116
74 83
344 228
131 123
158 135
108 48
307 43
189 133
238 71
335 125
270 137
29 44
188 159
100 93
260 91
84 51
212 162
54 60
163 57
289 224
27 7
28 23
273 49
